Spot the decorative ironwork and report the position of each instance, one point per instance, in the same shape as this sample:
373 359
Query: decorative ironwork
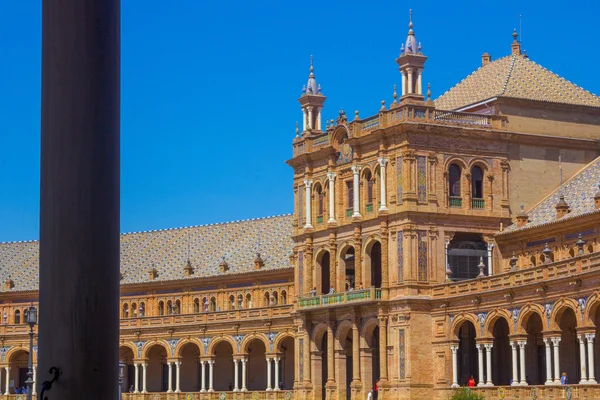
47 385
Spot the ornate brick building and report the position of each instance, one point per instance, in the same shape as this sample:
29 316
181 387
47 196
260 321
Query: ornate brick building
409 259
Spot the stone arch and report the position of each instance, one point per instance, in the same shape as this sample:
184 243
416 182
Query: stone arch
150 344
493 317
183 342
338 135
458 161
279 340
16 350
459 320
591 307
253 336
317 333
370 241
130 346
341 333
479 162
559 308
367 328
526 313
215 342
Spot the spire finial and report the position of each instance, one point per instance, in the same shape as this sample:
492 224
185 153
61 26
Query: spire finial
410 23
312 68
297 129
429 91
515 34
395 96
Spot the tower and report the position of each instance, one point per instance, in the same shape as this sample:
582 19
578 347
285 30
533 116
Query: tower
311 102
411 63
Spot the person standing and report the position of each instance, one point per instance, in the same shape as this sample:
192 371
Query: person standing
471 381
564 379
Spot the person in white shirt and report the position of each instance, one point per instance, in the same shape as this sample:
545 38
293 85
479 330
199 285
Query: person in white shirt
370 395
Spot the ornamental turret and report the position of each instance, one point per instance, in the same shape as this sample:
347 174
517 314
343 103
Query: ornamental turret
411 63
311 102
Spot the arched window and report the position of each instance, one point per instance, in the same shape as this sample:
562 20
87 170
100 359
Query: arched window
369 182
283 300
142 309
17 317
25 316
319 202
213 304
170 308
477 182
232 302
133 310
267 299
275 298
125 310
532 261
205 304
196 305
248 300
177 307
350 196
454 180
161 308
240 300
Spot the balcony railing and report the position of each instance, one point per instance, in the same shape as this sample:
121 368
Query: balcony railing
477 204
364 295
531 392
369 207
217 395
349 212
455 202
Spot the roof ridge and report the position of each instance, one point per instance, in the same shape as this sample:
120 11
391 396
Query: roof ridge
508 76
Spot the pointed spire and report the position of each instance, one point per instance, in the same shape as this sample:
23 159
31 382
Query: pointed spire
410 23
312 88
412 46
515 46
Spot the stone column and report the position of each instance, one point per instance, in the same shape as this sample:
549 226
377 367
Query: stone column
385 264
355 353
454 349
177 376
308 203
330 355
403 82
515 370
419 81
304 119
144 377
582 368
244 361
331 176
548 362
269 374
136 389
203 387
480 364
522 345
590 348
490 247
276 384
79 197
409 72
235 375
211 365
382 164
488 362
555 342
7 392
307 363
310 117
318 127
170 378
383 361
356 186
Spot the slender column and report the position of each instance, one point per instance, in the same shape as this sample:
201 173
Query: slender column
490 246
33 388
488 361
590 348
310 117
331 177
235 375
144 376
382 163
7 369
170 378
409 71
355 354
403 82
330 354
203 387
276 384
318 127
304 118
419 81
515 370
244 361
307 363
383 361
548 362
308 189
356 184
555 342
522 359
269 374
582 368
136 389
454 349
79 197
211 365
177 376
480 364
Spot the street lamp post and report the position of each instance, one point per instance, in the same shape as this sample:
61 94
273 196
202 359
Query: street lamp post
31 321
121 372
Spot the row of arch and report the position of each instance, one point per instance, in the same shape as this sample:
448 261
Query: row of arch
16 317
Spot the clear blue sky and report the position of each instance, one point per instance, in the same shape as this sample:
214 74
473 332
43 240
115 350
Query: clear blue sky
209 90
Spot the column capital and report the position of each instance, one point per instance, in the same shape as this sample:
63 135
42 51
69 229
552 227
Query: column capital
555 340
331 175
235 360
522 343
356 169
382 161
454 348
244 360
513 344
308 182
590 337
488 346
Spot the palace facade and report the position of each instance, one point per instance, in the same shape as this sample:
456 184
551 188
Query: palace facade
430 242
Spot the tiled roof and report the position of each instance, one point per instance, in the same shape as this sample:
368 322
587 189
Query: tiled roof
516 77
579 192
167 249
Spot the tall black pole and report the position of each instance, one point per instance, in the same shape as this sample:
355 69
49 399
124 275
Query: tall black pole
29 381
79 203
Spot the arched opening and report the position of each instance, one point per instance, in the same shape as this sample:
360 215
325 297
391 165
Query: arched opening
501 353
286 365
257 365
125 310
275 298
157 370
240 301
126 356
170 307
319 205
283 298
267 299
344 364
454 192
223 373
18 370
142 309
477 183
347 262
134 310
547 258
533 261
161 308
177 307
213 304
535 358
597 344
569 346
320 361
205 304
196 305
465 252
189 373
369 183
324 265
248 300
232 302
17 316
370 356
467 354
373 265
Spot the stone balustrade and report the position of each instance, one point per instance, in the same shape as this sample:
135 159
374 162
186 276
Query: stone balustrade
217 395
336 299
574 392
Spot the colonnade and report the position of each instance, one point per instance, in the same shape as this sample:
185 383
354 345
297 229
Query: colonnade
7 377
331 176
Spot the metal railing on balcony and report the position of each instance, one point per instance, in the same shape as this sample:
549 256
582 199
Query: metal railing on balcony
217 395
477 204
455 202
371 294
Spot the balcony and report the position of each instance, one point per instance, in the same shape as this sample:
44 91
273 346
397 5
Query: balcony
455 202
218 395
477 204
356 296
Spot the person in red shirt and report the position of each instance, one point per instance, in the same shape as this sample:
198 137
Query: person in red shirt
471 381
376 389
